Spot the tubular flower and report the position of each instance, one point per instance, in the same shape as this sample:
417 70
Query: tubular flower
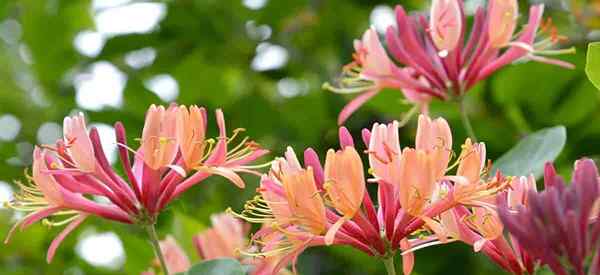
332 206
435 58
480 226
172 158
228 238
175 257
559 226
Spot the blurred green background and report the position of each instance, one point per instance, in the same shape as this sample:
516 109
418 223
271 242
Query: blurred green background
263 62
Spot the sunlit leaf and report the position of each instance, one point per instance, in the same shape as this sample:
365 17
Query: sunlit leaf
531 153
592 66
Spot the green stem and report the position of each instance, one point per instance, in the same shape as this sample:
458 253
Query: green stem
154 240
389 265
465 120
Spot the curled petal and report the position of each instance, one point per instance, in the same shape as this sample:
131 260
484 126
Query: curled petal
353 105
58 240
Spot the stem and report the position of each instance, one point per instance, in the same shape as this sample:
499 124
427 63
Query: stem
154 240
465 120
389 265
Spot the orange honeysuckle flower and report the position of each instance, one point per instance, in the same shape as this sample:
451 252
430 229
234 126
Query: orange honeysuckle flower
345 185
471 161
159 146
304 200
417 180
487 223
503 20
191 134
435 137
481 227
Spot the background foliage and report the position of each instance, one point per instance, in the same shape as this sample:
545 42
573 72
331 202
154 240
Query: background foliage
209 48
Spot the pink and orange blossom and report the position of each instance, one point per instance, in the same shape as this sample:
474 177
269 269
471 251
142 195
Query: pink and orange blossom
480 226
333 207
228 238
436 56
173 156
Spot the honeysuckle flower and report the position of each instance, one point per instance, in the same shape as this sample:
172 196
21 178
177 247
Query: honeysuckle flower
173 156
175 257
438 58
480 227
344 185
445 24
177 260
306 205
224 239
227 238
559 226
191 134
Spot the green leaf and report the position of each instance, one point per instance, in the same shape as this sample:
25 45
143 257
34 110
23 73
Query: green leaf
592 65
531 153
223 266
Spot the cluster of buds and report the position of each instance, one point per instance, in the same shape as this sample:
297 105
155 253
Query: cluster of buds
227 238
174 155
559 226
301 206
436 61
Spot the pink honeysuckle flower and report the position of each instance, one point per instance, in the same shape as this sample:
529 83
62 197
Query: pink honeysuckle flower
558 226
228 238
75 134
445 24
371 71
175 257
66 174
436 59
304 205
480 227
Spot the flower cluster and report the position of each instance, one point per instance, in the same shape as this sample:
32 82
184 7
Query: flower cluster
309 205
174 155
480 227
559 226
436 61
